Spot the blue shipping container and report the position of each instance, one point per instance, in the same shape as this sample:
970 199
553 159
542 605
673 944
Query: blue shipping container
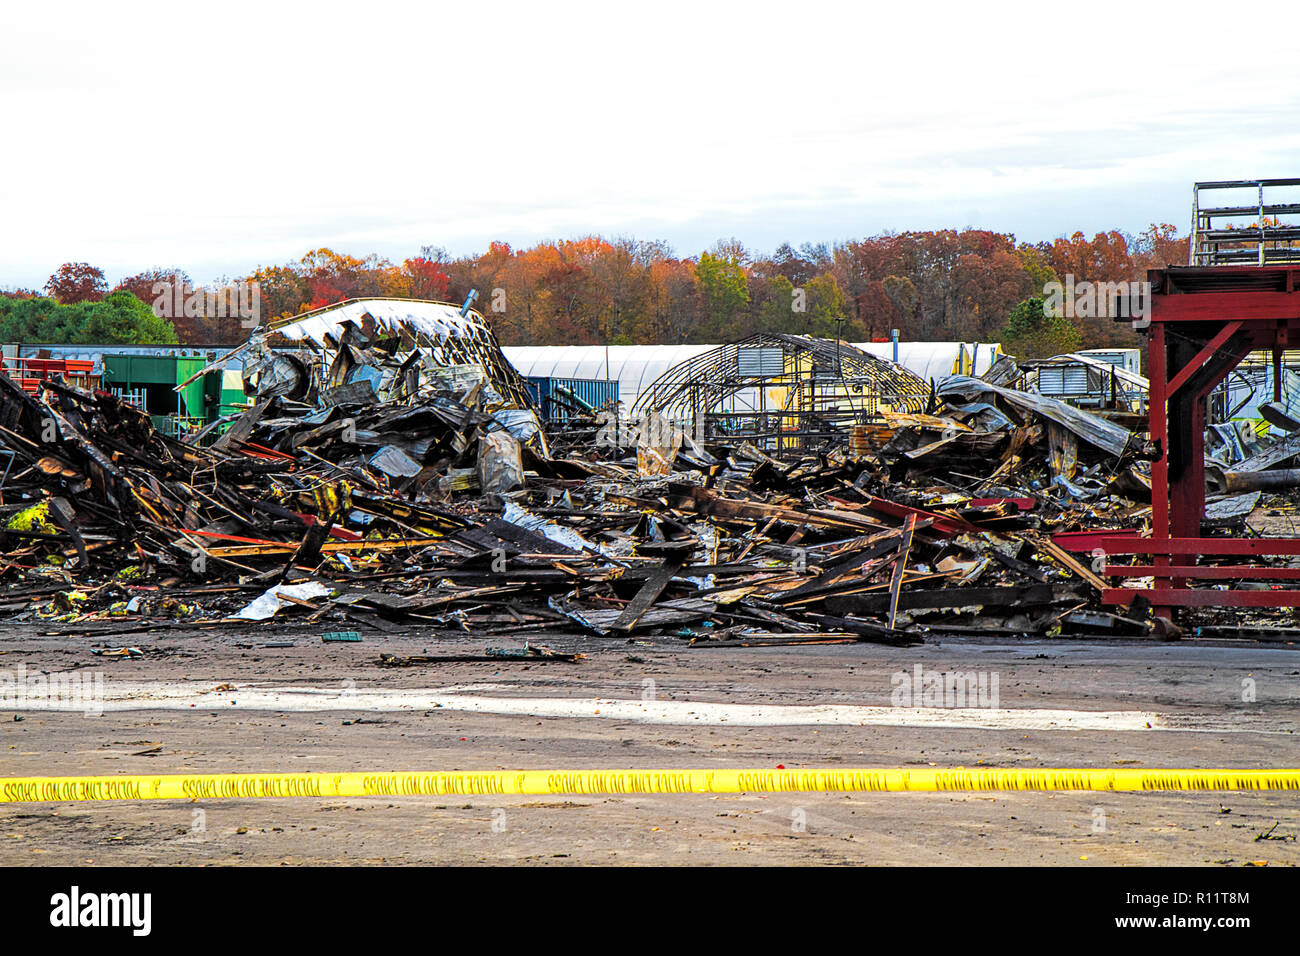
554 397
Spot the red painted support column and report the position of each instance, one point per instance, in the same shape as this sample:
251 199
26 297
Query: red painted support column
1187 494
1157 410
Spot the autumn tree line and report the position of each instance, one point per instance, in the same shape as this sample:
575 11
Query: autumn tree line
969 285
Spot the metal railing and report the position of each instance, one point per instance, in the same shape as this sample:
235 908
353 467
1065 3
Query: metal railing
1269 234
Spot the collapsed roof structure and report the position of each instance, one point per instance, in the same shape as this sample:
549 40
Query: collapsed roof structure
374 348
636 367
783 383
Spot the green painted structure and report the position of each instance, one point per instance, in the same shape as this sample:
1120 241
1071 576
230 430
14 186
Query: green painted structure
155 377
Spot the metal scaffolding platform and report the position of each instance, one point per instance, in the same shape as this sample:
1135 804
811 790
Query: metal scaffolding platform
1270 234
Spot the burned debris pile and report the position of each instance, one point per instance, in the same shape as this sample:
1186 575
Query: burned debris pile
372 489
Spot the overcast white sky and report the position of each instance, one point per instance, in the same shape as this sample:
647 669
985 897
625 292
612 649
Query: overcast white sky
219 137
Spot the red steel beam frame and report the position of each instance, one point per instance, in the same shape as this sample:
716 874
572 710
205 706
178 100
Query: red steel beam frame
1203 322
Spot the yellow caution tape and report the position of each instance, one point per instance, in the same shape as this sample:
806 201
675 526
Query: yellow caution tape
239 786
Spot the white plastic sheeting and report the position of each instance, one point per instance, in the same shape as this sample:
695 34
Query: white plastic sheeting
634 367
935 361
269 601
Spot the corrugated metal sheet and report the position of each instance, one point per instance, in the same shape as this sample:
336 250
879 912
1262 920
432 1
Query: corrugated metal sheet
1063 380
1128 359
760 362
549 394
1097 431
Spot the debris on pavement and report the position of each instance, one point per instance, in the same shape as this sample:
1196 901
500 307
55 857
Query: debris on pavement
374 486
